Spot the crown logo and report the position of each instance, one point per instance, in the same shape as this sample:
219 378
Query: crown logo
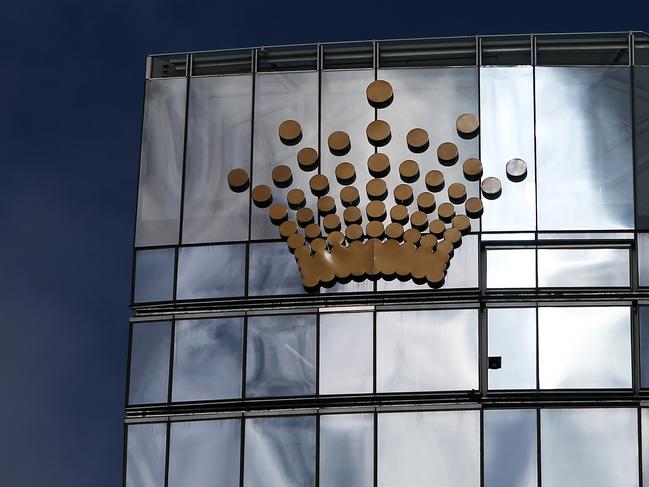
371 250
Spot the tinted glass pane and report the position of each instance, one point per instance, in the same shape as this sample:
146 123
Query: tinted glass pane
279 97
149 373
211 272
154 275
507 132
584 347
462 271
583 134
205 453
281 356
440 448
644 345
511 268
641 104
583 267
218 140
512 337
145 456
427 350
346 361
280 451
643 259
347 450
510 448
431 99
594 447
161 159
273 270
207 359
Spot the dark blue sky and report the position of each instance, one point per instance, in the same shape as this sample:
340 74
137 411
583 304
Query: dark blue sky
72 86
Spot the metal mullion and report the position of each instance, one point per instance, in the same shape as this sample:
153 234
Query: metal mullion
128 364
482 448
317 449
538 381
244 357
167 452
538 448
172 351
242 450
639 420
317 354
253 93
124 453
483 351
375 444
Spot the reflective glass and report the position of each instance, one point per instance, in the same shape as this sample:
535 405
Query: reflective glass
207 359
347 450
593 447
420 449
345 107
161 162
584 268
273 270
644 420
211 272
462 271
512 336
432 99
279 97
585 347
643 259
145 455
641 112
510 448
204 453
149 372
280 452
644 346
583 134
154 275
346 361
434 350
511 268
281 355
218 140
507 132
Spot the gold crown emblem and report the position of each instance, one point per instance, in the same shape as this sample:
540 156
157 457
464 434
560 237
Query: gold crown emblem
325 255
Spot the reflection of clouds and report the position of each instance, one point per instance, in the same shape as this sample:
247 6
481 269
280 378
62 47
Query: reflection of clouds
511 268
414 448
211 272
584 347
146 455
583 267
273 270
150 363
280 452
427 350
346 450
594 447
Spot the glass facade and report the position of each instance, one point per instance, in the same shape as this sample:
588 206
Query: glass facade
528 367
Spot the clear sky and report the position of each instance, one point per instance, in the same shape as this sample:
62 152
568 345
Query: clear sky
72 85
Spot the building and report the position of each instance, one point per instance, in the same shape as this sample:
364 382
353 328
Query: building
528 367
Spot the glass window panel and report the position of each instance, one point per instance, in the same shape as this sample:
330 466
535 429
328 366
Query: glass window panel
594 447
346 358
512 336
347 450
510 448
345 107
145 457
507 132
149 372
431 99
273 270
511 268
462 271
281 356
207 359
583 133
280 451
586 236
205 453
218 140
434 350
641 112
211 272
644 346
279 97
584 268
419 449
154 275
585 347
643 259
161 161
